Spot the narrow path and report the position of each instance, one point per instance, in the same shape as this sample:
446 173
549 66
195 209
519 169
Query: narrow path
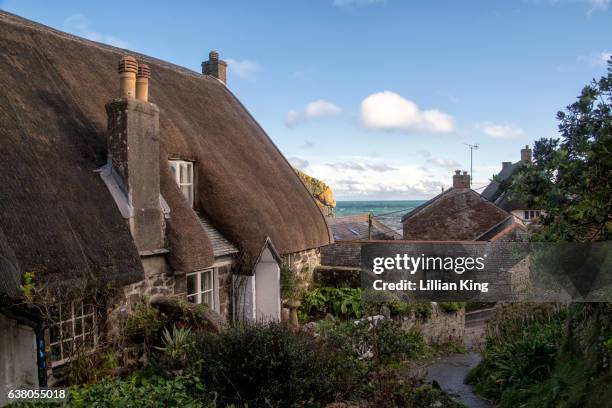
450 371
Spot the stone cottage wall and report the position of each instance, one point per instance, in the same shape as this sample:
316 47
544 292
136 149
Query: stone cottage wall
303 265
342 254
441 327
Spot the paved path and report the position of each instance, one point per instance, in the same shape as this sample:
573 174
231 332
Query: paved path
450 371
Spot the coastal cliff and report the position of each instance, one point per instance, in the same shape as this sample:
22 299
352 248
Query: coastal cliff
320 191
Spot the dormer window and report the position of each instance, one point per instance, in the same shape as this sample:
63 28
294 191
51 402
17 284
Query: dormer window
183 175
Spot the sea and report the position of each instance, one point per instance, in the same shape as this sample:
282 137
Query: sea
389 212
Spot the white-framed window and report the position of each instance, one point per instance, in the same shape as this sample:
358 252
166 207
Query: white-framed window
72 329
183 175
531 214
201 288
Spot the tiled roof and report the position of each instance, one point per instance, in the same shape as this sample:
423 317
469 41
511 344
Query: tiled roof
355 227
221 245
454 215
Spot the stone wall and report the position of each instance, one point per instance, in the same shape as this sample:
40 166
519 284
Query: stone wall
441 327
303 264
341 254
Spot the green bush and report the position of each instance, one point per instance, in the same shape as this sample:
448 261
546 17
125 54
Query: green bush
451 307
142 390
266 365
341 302
521 347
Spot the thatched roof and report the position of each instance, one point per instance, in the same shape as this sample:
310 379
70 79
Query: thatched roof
456 214
57 213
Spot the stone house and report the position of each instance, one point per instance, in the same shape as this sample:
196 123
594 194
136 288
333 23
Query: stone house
499 193
151 181
459 214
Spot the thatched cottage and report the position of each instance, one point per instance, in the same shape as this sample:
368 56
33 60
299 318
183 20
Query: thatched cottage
146 179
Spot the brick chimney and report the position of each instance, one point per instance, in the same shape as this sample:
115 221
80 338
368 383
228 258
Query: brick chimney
133 154
526 155
215 67
461 180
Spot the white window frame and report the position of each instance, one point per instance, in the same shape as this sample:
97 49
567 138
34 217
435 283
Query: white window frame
176 166
531 214
199 294
71 317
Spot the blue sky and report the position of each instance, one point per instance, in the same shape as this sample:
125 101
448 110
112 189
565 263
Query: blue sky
377 98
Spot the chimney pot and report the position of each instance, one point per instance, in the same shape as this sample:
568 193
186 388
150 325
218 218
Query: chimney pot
215 67
457 171
127 68
142 82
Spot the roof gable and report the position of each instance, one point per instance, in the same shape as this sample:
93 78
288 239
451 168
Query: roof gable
456 214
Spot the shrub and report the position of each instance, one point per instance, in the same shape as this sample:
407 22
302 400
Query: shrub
266 365
451 307
522 344
143 390
341 302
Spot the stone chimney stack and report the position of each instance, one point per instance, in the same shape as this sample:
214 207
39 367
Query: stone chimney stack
142 82
133 154
461 180
526 155
506 164
215 67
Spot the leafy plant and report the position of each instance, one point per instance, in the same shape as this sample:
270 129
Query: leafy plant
341 302
451 307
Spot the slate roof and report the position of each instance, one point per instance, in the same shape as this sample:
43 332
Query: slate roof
355 227
493 190
221 246
503 199
454 215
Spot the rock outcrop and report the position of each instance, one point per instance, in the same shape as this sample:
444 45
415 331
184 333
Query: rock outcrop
320 191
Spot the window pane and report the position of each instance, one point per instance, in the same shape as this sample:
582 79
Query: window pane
88 324
192 284
188 193
54 333
207 283
184 178
207 298
56 352
67 330
78 326
192 299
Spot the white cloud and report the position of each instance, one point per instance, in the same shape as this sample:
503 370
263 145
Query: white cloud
602 58
297 162
497 131
390 111
244 69
355 166
307 145
80 25
594 5
443 163
353 4
317 109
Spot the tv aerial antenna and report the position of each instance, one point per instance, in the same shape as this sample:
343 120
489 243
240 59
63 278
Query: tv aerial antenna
472 147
